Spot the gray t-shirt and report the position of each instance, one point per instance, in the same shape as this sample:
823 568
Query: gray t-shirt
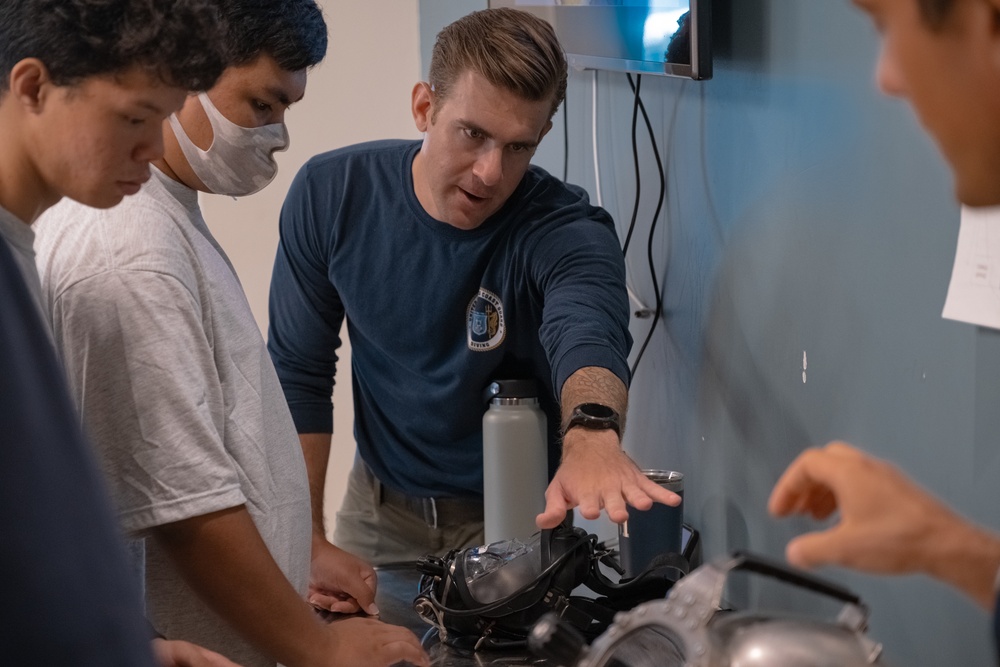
175 387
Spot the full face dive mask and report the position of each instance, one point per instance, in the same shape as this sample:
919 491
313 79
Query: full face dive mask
490 596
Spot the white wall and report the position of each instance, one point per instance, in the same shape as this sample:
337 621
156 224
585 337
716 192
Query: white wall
360 92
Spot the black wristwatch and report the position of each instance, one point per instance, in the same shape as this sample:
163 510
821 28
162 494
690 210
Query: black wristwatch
596 417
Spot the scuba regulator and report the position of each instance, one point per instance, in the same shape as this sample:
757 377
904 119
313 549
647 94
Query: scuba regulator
490 596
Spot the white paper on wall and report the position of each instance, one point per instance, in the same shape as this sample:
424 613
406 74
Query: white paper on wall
974 291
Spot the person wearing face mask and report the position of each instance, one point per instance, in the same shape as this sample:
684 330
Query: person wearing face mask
240 160
176 389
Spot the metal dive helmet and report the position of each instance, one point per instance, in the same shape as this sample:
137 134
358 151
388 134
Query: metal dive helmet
689 629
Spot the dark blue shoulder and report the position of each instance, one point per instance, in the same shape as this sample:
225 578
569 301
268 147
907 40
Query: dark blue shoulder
542 195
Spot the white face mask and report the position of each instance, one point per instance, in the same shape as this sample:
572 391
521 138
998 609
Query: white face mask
240 160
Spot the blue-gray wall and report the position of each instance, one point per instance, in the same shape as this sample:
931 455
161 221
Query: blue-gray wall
806 215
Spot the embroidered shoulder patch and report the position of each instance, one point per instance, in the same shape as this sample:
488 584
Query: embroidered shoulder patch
484 322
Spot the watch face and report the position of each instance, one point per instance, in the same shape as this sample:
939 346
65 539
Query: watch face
597 411
595 416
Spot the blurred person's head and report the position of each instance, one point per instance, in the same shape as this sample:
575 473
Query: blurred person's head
943 56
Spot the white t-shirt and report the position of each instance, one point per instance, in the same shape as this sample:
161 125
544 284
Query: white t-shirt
175 387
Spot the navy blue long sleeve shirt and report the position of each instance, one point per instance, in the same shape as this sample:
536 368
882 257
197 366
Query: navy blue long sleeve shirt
435 313
67 594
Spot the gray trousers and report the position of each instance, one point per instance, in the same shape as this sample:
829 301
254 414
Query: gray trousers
382 532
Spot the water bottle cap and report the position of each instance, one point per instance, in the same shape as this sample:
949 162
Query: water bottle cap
526 388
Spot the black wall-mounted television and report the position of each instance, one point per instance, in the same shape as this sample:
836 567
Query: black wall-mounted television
668 37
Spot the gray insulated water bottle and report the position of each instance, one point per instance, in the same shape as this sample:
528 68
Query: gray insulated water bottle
515 460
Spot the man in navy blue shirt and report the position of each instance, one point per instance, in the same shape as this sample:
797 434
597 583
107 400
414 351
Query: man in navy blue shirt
943 56
456 263
84 86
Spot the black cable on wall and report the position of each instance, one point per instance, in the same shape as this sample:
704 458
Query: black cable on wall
658 312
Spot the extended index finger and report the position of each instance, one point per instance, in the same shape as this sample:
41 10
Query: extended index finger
658 493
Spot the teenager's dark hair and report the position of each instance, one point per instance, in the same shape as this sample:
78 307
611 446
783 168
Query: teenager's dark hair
292 32
178 41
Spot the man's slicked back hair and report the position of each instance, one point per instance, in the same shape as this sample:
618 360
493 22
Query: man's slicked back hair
292 32
177 41
512 49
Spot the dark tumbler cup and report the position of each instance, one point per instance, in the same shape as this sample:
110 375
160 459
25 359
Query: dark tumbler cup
646 535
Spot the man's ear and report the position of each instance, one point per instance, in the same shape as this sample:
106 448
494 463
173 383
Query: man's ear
30 83
548 126
422 105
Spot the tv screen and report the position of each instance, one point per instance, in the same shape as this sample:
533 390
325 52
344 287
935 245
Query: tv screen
668 37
